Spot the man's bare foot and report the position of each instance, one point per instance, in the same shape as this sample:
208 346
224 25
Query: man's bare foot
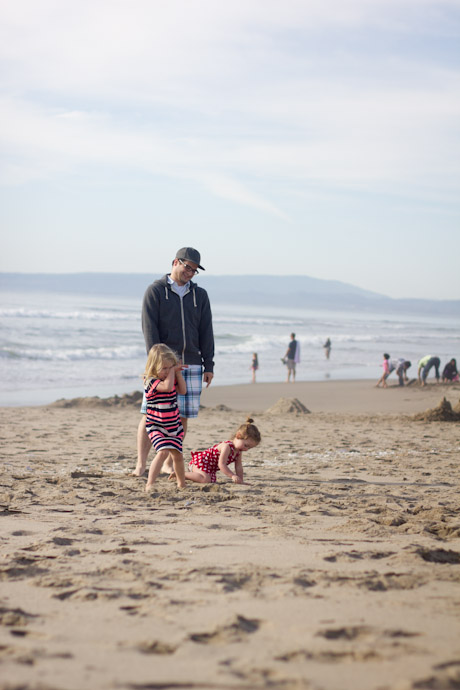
138 472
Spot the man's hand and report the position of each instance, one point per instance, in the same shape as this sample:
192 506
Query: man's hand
207 378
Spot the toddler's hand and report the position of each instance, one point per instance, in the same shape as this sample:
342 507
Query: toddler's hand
236 479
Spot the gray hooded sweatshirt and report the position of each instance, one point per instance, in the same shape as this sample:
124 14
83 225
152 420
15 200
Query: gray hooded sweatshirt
184 325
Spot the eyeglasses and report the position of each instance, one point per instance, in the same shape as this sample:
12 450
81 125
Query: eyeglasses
188 268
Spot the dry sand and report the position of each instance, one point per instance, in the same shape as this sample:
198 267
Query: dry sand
337 567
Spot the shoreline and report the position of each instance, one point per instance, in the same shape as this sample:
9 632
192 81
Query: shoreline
358 396
348 396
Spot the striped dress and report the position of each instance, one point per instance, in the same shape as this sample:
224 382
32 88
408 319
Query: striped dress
163 423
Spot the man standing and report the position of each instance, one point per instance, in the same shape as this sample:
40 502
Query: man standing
177 312
292 357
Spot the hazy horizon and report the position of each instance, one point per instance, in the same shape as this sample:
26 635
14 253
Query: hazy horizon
260 290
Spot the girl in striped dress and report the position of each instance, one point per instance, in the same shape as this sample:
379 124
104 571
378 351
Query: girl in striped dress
162 378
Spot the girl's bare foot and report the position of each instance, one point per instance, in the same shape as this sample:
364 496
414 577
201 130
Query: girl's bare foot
172 476
181 485
138 472
149 487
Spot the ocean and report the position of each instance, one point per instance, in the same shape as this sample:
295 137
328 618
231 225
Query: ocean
55 345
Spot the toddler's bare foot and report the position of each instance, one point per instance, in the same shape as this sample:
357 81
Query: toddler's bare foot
167 467
138 472
172 476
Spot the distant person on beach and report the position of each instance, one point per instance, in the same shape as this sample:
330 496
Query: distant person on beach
254 366
162 378
176 312
291 358
450 373
386 371
424 367
327 348
206 463
400 365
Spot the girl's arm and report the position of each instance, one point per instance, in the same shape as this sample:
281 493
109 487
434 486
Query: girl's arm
181 385
239 471
223 457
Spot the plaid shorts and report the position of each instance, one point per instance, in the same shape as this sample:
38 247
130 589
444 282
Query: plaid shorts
189 404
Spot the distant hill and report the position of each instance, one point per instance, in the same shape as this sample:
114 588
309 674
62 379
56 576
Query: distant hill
292 291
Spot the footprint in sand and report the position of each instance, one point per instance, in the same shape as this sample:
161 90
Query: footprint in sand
346 633
156 647
235 632
439 555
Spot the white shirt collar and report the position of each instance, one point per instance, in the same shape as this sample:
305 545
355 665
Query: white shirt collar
173 282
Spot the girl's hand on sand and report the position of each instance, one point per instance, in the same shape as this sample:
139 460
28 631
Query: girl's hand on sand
236 479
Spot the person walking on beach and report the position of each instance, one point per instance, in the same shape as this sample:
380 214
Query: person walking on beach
424 366
162 377
386 371
206 463
327 348
291 358
254 366
177 312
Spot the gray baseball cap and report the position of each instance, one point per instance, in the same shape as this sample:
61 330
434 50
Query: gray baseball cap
190 254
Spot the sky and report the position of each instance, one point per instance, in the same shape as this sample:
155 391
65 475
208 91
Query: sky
300 137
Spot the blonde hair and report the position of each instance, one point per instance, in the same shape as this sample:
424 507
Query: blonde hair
249 430
158 355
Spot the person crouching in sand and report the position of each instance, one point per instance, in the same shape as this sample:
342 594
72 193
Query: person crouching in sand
162 377
206 463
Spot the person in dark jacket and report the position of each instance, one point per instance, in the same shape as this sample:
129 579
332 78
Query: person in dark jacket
450 373
177 312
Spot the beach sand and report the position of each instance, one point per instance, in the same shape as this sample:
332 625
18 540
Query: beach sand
336 567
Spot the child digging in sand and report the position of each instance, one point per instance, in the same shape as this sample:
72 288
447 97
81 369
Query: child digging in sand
162 377
205 463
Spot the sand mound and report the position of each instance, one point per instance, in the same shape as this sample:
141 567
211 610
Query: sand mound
125 400
288 406
442 413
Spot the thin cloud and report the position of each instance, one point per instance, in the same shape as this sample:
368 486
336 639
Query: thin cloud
220 94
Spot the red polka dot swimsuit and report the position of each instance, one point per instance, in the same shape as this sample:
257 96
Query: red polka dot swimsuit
208 460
